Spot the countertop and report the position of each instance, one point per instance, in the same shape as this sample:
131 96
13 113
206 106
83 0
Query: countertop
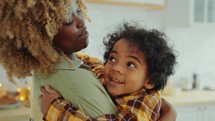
192 97
184 98
15 114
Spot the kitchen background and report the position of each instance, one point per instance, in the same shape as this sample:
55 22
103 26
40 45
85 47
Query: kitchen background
189 26
184 22
193 39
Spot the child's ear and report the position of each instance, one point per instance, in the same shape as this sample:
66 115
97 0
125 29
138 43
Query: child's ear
147 85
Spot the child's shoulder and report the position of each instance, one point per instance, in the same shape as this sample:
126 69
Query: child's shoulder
152 95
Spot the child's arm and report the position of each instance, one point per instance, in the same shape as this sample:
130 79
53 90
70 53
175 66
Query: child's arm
61 109
57 108
95 64
89 60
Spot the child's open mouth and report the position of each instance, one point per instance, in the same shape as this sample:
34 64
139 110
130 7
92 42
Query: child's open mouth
115 81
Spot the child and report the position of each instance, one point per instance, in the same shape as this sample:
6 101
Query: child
137 64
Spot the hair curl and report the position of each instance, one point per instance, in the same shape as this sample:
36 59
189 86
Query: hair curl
26 33
160 57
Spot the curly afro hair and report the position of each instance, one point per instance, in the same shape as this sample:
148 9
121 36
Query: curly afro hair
160 57
26 33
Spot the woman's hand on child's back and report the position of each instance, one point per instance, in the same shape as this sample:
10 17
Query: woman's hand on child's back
168 112
48 94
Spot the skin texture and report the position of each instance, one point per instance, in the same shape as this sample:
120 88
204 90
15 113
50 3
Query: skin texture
73 36
167 111
126 69
48 94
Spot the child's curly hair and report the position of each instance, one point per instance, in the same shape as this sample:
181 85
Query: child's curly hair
26 33
160 57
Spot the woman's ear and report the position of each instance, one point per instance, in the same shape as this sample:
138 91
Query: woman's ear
147 85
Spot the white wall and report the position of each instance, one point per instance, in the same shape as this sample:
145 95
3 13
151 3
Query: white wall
195 44
196 47
105 17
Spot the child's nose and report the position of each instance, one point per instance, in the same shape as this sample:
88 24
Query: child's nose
117 68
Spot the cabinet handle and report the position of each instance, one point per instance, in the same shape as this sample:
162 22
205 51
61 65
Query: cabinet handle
205 107
201 107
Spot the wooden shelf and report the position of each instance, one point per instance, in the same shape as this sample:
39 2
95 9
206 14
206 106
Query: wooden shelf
156 4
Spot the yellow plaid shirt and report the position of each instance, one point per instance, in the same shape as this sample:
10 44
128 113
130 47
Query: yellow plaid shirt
138 106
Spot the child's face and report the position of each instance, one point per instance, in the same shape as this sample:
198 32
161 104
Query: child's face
126 69
73 36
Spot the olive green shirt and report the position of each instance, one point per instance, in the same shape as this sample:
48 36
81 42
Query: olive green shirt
78 85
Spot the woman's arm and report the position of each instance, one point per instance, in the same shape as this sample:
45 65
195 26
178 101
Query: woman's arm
168 113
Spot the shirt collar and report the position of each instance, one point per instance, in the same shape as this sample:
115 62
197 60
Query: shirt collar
65 65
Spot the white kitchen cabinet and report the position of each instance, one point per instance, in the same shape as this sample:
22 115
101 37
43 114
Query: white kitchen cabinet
204 11
209 113
195 105
185 13
203 112
188 113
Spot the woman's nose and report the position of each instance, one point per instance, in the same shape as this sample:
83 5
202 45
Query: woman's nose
80 24
79 21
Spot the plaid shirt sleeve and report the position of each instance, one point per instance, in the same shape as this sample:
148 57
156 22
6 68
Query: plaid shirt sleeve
132 108
63 110
95 64
142 106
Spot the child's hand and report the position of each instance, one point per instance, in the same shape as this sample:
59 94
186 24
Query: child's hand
48 94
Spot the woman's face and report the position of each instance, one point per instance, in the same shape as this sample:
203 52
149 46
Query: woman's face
73 36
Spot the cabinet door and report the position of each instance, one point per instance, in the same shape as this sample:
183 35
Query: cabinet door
199 11
209 113
204 11
211 11
189 113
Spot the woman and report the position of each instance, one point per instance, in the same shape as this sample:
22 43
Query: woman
41 37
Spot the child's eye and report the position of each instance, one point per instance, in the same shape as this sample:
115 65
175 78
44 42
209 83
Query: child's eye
131 65
112 59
